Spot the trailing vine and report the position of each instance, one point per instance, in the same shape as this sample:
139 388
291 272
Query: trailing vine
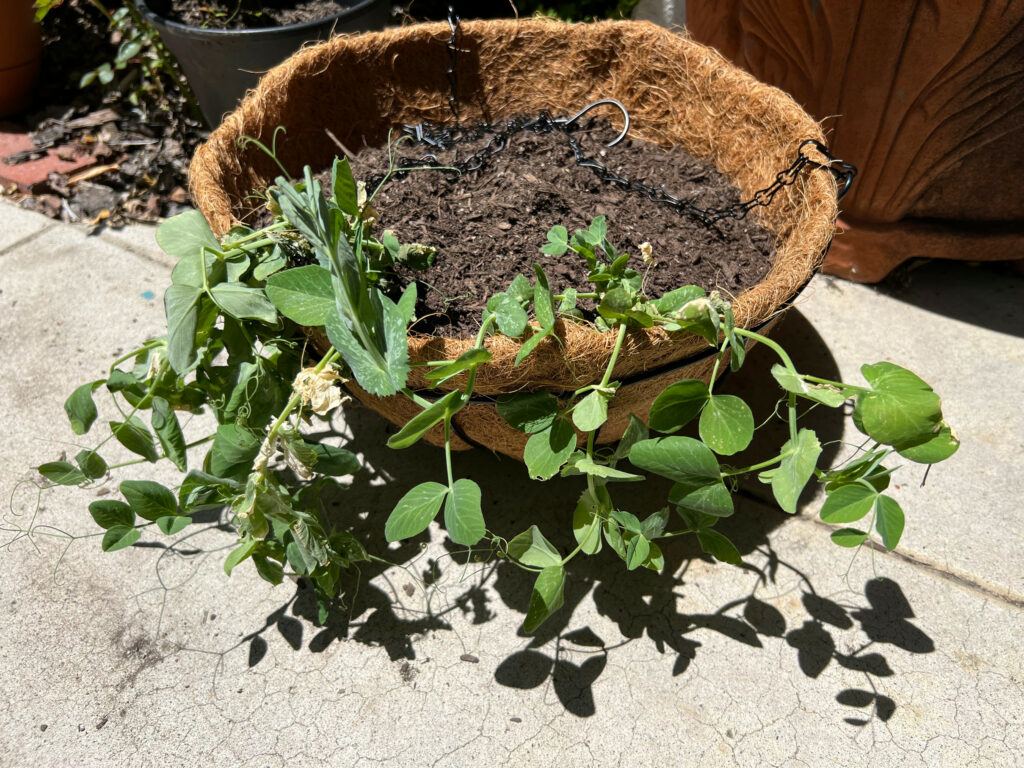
238 310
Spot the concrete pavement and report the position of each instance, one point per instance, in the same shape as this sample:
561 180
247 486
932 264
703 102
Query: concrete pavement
153 657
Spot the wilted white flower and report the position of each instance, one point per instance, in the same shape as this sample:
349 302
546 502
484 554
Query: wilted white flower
318 391
647 253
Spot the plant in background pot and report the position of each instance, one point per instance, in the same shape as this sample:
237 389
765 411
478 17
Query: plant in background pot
223 48
245 303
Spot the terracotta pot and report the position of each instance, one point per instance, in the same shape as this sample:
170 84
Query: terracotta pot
925 98
20 50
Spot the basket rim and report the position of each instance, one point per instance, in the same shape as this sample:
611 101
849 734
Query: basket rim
208 173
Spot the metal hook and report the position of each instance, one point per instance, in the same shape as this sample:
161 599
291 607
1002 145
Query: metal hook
843 171
567 121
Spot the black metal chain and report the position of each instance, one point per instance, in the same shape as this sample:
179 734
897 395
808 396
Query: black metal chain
444 138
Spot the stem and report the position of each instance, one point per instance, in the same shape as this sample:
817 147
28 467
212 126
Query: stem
770 344
448 449
330 357
561 296
471 377
193 444
760 465
615 356
677 533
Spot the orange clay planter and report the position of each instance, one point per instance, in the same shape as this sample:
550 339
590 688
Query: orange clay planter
20 50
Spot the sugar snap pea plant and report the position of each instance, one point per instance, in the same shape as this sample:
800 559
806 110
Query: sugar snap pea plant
239 310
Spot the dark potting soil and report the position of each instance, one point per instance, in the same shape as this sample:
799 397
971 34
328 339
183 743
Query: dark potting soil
489 225
247 14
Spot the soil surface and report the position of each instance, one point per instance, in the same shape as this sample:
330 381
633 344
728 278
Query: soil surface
247 14
489 225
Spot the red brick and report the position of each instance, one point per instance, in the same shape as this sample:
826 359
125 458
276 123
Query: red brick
13 139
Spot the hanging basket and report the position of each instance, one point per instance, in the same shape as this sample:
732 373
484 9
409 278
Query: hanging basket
678 93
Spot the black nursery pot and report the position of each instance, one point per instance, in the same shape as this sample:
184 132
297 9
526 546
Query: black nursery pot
221 64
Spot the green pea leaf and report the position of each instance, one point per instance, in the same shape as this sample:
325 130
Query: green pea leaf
414 511
343 185
636 431
172 525
591 412
201 490
183 237
889 521
547 597
239 553
900 409
62 473
181 304
149 500
825 394
793 473
468 359
677 405
693 467
706 496
304 295
848 503
637 550
532 343
333 461
613 536
511 316
273 262
136 437
531 548
80 408
520 289
588 466
244 302
939 447
269 570
528 411
109 513
543 305
366 367
119 537
463 517
682 459
674 300
726 424
168 432
718 546
558 241
233 452
586 524
426 420
547 451
627 520
848 537
91 464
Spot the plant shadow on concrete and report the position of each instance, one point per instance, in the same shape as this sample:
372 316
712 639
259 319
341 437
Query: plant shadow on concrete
639 603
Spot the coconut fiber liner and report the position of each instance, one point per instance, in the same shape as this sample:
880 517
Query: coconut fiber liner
678 93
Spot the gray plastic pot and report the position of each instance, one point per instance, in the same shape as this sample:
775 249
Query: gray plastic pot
222 64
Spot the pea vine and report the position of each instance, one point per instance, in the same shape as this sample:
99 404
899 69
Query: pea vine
238 313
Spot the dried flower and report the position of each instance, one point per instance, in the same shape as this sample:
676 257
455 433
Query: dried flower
647 253
318 391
